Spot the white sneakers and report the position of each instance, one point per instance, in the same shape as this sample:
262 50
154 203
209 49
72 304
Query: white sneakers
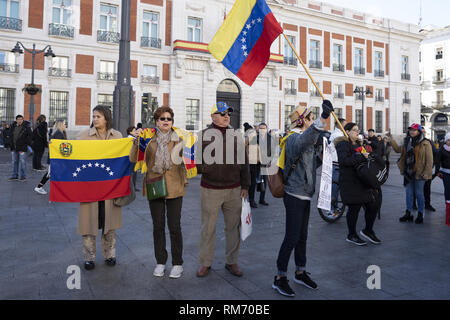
174 273
40 190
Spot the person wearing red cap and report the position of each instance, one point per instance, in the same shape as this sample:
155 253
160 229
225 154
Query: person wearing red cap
416 165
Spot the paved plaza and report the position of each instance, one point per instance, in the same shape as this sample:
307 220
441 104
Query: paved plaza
38 242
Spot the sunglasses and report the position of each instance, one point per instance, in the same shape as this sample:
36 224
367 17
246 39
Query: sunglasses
223 114
165 119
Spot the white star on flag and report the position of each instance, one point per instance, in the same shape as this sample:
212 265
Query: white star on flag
74 174
97 164
83 166
111 173
259 20
102 166
107 169
248 26
78 169
89 165
245 53
253 21
244 47
245 33
243 40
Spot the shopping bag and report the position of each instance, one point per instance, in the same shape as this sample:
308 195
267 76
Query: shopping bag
246 219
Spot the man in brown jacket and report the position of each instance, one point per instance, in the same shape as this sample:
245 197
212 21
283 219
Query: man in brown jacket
223 185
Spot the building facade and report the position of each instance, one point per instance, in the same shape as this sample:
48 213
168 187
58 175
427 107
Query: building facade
171 65
434 63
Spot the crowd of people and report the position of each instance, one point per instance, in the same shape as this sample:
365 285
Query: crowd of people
224 184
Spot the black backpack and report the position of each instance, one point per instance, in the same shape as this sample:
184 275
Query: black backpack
373 172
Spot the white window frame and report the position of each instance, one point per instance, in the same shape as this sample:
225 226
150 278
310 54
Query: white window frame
405 66
195 28
108 63
257 113
378 61
151 23
8 9
149 67
62 9
361 56
288 52
340 60
59 59
317 50
192 119
108 18
10 58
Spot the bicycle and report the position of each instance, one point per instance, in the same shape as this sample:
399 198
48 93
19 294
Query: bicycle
337 209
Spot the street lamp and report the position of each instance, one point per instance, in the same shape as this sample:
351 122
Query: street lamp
362 93
32 90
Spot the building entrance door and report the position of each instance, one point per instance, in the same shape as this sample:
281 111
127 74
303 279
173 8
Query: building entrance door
228 92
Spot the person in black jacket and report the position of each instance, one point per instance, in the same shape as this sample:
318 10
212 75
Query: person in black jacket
7 136
444 174
20 140
39 142
354 193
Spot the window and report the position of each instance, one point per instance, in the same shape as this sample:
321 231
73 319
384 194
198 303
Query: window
338 112
107 70
8 62
315 111
60 67
149 70
289 57
439 75
290 87
439 98
405 66
108 18
287 111
313 90
150 24
337 54
379 121
405 121
260 112
7 103
420 56
192 114
358 58
358 118
379 95
106 100
314 50
59 106
338 93
62 11
194 30
378 61
439 53
9 8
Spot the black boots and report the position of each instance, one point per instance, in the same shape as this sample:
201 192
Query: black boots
419 218
407 217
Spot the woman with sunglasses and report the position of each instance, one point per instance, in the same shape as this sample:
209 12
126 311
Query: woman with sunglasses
160 163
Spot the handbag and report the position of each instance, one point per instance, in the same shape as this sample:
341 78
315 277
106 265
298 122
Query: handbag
156 188
260 186
372 173
246 220
126 200
276 181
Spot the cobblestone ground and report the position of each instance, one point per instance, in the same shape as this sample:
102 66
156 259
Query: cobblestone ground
38 241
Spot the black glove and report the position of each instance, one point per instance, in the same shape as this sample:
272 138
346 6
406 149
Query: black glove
327 107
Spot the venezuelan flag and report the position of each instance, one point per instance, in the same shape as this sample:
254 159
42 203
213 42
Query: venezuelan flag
243 41
89 170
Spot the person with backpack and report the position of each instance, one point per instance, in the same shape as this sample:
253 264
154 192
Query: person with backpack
299 185
39 143
355 193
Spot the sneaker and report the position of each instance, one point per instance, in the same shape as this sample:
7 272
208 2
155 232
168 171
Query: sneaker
23 179
304 279
356 240
430 208
40 190
176 272
282 286
13 179
159 270
370 236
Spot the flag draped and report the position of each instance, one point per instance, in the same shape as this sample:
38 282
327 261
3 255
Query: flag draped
89 170
243 41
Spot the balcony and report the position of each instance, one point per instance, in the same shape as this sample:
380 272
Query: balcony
406 76
379 99
339 95
58 72
150 79
147 42
379 73
290 91
108 36
338 67
360 71
10 23
314 93
438 80
439 104
439 56
406 101
314 64
60 30
107 76
290 61
9 68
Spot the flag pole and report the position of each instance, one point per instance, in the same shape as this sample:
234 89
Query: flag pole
314 83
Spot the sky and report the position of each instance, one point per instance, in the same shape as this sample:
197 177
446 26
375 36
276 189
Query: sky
434 12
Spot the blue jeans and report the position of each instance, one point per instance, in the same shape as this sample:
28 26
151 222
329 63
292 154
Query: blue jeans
335 185
16 158
415 187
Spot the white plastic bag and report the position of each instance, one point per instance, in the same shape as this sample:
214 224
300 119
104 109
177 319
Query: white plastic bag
246 219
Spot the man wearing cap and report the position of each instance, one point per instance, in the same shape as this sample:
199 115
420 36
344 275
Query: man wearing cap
222 187
416 165
299 177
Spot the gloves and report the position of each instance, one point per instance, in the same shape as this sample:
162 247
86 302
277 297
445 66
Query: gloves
327 107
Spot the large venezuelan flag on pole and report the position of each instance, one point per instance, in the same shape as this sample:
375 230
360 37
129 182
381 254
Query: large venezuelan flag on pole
243 41
89 170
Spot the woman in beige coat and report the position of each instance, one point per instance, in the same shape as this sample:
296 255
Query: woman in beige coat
104 215
159 160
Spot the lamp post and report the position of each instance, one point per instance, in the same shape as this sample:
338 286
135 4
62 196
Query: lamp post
362 93
31 90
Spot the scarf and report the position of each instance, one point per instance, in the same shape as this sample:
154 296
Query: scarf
162 156
410 160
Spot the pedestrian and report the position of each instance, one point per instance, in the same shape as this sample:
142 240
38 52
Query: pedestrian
59 130
300 180
104 215
160 163
335 174
223 186
39 142
387 150
20 140
7 136
444 174
354 192
416 166
2 128
131 133
427 186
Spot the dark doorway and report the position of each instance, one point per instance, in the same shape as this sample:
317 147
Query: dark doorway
228 92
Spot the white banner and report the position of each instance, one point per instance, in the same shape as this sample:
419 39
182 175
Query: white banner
326 182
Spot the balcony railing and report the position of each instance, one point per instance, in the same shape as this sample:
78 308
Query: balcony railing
60 30
406 76
379 99
315 64
314 93
150 79
359 70
379 73
438 79
339 95
338 67
290 91
147 42
438 104
406 101
108 36
11 68
10 23
58 72
290 61
439 56
107 76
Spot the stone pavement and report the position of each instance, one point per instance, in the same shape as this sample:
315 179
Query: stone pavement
38 241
